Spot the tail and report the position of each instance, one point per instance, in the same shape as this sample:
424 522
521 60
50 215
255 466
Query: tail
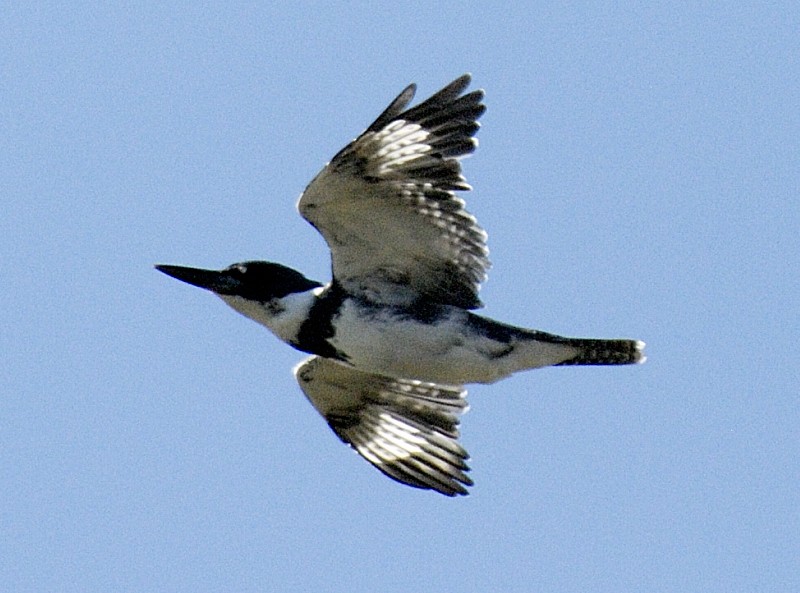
593 351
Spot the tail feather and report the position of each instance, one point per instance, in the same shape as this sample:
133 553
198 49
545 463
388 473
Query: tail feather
593 351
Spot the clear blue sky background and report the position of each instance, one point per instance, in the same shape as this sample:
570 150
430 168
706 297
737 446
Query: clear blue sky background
638 174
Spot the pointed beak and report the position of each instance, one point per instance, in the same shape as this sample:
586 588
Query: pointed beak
218 282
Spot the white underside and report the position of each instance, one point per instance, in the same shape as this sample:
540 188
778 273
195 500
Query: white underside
445 352
442 353
283 317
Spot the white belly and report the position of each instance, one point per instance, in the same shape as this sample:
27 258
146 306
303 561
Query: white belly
443 352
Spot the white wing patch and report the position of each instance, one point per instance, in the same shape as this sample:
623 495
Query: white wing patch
397 144
407 429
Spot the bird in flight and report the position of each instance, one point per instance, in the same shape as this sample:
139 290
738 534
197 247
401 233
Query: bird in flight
393 337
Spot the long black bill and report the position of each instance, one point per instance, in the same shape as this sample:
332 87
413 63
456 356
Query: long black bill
218 282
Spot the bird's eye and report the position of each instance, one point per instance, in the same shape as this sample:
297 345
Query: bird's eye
240 269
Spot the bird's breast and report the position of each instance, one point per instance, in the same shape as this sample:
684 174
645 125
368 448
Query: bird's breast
398 342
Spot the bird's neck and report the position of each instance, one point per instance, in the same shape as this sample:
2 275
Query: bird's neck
282 316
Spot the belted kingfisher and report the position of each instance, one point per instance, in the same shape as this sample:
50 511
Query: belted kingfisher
392 336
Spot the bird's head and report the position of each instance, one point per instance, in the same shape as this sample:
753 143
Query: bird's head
253 280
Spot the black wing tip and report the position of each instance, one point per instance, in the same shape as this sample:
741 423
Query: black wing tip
395 108
448 485
440 466
459 85
470 104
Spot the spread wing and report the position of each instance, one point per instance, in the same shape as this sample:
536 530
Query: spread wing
386 205
407 429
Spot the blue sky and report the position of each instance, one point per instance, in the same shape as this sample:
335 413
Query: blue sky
638 175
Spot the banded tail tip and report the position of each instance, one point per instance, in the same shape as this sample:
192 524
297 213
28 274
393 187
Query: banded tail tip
640 349
607 352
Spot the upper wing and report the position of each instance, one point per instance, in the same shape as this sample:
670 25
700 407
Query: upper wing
386 207
407 429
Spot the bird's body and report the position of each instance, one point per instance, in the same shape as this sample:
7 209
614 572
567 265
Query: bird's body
430 342
393 337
